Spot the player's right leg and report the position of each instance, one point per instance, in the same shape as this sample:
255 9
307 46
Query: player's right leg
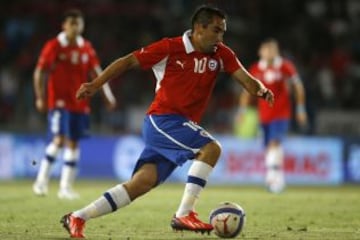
179 139
57 122
40 187
143 180
186 217
274 161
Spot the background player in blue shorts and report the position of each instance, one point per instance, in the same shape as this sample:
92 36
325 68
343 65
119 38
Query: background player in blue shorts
185 68
277 73
66 61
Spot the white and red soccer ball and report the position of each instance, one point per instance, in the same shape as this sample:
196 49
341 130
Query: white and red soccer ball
228 220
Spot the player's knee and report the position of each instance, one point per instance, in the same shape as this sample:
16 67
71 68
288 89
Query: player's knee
218 149
210 153
72 144
214 149
273 144
59 141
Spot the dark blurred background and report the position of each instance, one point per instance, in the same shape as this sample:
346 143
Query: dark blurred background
320 36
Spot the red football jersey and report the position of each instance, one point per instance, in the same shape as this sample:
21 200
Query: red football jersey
276 78
68 66
185 77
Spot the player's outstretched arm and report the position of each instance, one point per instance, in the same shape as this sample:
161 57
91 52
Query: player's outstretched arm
109 97
116 68
253 86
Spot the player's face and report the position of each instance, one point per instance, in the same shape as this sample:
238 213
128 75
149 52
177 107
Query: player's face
268 51
211 35
73 26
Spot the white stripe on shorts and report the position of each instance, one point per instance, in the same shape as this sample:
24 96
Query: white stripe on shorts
194 150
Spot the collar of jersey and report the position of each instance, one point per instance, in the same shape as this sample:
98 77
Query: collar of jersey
64 41
264 64
189 48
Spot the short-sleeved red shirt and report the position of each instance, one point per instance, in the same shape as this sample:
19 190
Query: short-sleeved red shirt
276 78
185 77
68 67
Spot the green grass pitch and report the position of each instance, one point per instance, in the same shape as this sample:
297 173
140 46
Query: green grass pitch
298 213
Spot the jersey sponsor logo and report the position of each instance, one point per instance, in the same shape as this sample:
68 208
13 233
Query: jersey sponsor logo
212 64
181 64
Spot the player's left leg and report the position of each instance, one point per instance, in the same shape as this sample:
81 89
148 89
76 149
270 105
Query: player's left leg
143 180
78 127
40 186
57 124
197 176
186 217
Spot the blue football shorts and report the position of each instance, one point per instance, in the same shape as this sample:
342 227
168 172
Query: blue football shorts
72 125
170 140
275 130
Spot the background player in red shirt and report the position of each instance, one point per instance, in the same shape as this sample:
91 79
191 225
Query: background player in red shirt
66 61
276 73
185 68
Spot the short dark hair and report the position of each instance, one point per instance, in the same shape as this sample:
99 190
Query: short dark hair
72 13
204 15
269 40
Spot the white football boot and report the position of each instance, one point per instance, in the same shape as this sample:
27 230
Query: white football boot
68 194
40 188
275 181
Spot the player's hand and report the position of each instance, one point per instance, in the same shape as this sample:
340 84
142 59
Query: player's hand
267 95
86 90
40 105
301 119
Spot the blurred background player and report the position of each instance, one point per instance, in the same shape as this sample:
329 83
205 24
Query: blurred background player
276 73
185 68
66 61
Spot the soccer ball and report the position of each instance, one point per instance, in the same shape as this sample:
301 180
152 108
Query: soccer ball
228 220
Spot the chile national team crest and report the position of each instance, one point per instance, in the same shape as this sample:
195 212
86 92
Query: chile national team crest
212 64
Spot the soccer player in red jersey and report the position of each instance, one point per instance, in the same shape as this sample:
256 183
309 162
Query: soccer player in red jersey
276 73
66 61
185 68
